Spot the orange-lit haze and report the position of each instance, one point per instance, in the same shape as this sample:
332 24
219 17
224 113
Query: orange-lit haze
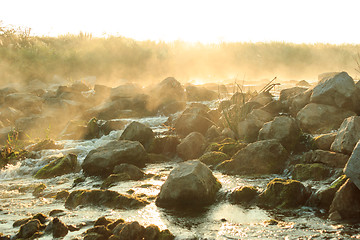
298 21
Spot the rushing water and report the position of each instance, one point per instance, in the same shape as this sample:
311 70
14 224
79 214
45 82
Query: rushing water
222 220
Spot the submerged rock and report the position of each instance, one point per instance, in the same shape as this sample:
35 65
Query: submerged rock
136 131
191 184
31 229
58 167
243 194
192 146
282 193
262 157
320 118
101 161
348 135
102 198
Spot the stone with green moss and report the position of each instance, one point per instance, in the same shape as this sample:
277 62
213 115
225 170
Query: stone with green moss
227 146
283 193
103 198
58 167
315 171
214 158
244 194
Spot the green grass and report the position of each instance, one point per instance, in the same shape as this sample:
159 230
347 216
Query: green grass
24 57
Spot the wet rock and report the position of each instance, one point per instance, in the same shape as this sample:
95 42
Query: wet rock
166 92
331 159
166 235
62 195
347 136
192 146
29 229
134 172
56 213
195 93
58 167
227 146
59 229
324 141
315 171
151 232
262 157
25 102
320 118
193 119
284 129
324 196
102 198
129 231
165 145
103 221
335 89
191 184
352 168
101 161
38 190
243 194
112 225
136 131
346 203
213 158
281 193
112 179
98 232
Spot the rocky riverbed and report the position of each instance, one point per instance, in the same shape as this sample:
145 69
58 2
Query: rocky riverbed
169 161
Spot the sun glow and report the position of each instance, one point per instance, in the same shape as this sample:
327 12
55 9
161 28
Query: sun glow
195 21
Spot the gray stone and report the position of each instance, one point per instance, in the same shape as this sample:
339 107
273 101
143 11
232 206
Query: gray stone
192 146
352 168
348 135
136 131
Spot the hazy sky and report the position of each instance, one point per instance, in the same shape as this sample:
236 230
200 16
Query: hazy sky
296 21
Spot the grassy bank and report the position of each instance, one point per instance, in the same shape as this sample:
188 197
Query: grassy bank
24 58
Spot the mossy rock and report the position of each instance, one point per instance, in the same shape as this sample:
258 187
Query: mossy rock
282 193
214 158
315 171
115 178
227 146
103 198
243 194
58 167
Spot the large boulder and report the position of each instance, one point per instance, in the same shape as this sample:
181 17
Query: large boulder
191 184
166 92
102 198
335 89
261 157
346 203
331 159
320 118
348 135
136 131
352 168
297 102
58 167
196 93
282 128
193 119
286 94
30 230
313 171
101 161
282 193
192 146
